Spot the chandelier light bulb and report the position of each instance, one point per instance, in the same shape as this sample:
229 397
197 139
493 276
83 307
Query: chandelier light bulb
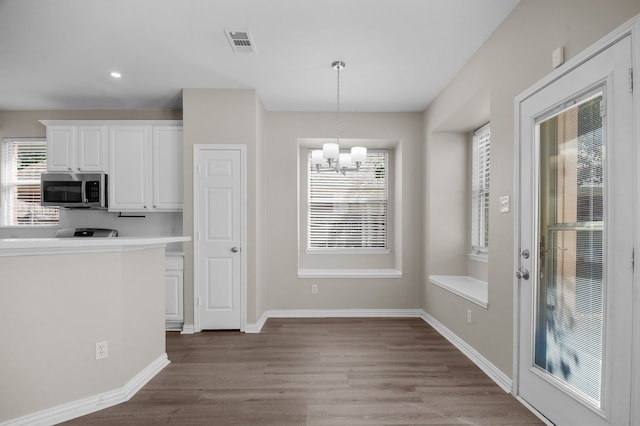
358 154
317 157
344 161
330 151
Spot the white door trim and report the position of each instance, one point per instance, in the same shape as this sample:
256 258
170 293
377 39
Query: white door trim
197 149
631 27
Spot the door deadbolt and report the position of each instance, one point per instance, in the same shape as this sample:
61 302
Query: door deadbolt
525 254
522 274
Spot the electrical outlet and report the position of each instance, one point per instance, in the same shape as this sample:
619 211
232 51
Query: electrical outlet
469 320
314 288
102 350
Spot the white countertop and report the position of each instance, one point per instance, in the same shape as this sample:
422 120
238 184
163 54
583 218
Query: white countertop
40 246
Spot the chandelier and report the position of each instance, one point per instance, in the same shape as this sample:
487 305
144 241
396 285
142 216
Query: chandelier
330 156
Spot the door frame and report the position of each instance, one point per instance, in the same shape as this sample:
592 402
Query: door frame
630 28
197 150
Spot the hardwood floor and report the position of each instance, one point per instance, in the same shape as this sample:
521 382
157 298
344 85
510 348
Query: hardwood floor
346 371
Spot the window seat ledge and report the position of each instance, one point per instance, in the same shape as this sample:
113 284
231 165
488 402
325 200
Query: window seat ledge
349 273
472 289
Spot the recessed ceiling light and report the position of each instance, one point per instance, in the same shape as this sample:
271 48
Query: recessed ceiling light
115 74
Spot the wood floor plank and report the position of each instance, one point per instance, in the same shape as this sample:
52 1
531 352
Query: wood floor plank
309 371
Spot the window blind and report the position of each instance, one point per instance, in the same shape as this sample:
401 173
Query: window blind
23 160
481 159
348 212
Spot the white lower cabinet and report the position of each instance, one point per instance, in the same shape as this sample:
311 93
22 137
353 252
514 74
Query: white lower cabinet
174 283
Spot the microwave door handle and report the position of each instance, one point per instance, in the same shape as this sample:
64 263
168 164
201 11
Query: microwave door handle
83 189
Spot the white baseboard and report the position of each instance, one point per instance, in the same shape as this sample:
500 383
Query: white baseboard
188 329
82 407
331 313
484 364
256 328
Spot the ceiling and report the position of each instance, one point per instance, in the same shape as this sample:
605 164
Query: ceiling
399 54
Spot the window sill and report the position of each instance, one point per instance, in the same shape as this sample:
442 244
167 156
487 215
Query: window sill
348 251
482 257
474 290
349 273
44 226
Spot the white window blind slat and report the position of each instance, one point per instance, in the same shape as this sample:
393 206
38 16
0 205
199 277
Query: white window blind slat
481 161
348 211
23 161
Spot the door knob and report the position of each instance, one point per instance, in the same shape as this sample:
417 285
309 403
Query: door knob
522 274
234 249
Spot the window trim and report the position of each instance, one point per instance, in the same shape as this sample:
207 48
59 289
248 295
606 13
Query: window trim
4 185
479 251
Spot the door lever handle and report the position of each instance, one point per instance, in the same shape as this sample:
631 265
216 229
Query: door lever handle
234 249
522 274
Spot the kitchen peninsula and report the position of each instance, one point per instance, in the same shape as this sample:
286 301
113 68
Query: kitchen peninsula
62 300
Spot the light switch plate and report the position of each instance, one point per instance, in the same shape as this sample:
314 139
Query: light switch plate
557 57
504 204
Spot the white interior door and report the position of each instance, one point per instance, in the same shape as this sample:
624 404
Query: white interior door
219 229
576 218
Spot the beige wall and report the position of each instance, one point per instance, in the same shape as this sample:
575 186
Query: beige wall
224 116
284 290
20 124
516 56
213 116
56 307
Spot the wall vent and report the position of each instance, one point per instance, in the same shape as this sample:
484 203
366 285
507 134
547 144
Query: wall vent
240 41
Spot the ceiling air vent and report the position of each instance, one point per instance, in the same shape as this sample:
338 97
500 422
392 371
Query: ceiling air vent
240 41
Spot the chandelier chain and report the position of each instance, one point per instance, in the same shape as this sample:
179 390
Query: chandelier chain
330 153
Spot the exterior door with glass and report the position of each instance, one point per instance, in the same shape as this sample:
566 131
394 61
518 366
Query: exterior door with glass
576 222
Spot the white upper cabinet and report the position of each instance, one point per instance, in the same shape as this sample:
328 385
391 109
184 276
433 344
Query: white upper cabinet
129 177
76 148
143 159
167 168
92 149
146 168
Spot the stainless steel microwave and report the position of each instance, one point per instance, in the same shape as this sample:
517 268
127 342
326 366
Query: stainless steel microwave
74 190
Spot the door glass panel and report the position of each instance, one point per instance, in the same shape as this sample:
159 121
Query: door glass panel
569 315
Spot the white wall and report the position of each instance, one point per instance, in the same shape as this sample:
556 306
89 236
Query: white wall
516 56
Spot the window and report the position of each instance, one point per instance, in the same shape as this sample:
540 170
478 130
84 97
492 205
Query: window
481 159
23 160
348 211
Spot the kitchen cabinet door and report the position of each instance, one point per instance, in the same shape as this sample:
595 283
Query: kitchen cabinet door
174 283
61 143
72 148
92 149
167 168
129 172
